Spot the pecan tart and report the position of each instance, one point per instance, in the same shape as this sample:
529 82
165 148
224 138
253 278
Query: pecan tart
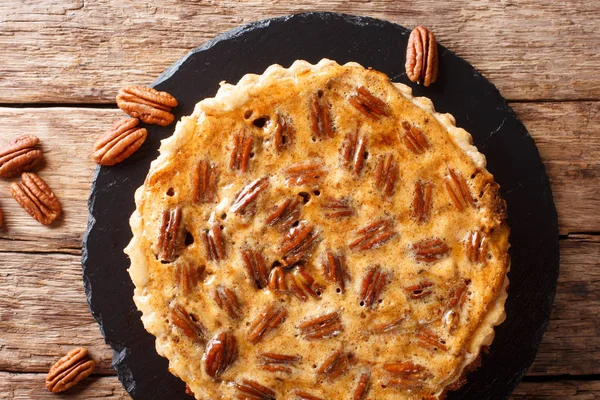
317 232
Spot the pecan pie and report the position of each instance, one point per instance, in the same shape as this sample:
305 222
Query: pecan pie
317 232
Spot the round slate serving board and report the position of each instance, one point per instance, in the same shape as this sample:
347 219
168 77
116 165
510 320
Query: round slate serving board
460 90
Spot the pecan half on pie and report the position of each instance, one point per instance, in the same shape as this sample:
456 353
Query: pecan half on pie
317 232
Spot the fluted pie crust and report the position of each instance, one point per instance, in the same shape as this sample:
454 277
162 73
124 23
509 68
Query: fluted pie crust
317 232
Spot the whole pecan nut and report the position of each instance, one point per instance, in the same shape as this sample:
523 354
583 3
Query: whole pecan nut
19 155
422 56
70 370
147 104
34 195
124 139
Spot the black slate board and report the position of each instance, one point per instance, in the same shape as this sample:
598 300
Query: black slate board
460 90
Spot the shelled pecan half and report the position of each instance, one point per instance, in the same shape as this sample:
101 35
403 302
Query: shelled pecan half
36 197
320 114
386 174
336 270
256 268
387 326
372 285
457 297
221 352
337 208
362 386
404 368
214 243
228 301
458 190
430 250
336 364
240 151
120 142
298 243
285 214
147 104
321 327
301 284
373 235
305 174
188 323
188 276
284 133
20 155
365 102
277 280
170 235
204 182
422 56
249 194
422 201
429 340
1 218
275 362
268 320
476 247
70 370
251 390
354 151
407 375
414 139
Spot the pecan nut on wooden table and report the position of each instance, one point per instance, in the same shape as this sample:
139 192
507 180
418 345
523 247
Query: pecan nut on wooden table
20 155
36 197
147 104
70 370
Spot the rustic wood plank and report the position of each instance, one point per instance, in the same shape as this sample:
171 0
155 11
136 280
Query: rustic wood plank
560 390
67 143
84 51
31 387
567 134
571 344
43 312
568 137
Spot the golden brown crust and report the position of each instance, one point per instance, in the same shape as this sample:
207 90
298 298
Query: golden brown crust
347 223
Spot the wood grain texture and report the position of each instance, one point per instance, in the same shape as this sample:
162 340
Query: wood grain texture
567 134
571 344
43 312
67 136
82 51
560 390
30 386
77 51
568 138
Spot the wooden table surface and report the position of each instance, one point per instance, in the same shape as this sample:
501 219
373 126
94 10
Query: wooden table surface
62 62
